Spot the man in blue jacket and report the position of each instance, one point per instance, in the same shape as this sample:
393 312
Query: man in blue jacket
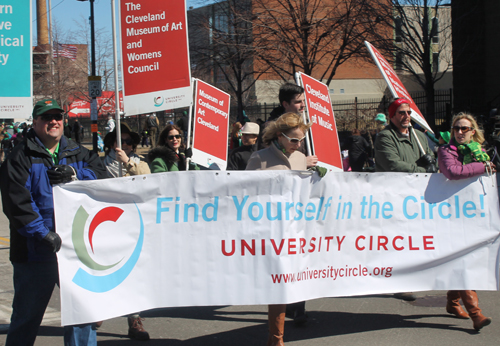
43 159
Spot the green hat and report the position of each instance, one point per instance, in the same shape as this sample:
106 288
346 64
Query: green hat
445 136
381 117
45 106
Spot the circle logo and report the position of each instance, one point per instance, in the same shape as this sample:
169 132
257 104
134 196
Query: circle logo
101 283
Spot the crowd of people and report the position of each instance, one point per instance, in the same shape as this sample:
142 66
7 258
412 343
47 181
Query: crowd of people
45 155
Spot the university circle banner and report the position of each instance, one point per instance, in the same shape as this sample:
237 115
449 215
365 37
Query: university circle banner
208 238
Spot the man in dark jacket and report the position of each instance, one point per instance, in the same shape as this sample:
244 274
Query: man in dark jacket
238 158
43 159
359 151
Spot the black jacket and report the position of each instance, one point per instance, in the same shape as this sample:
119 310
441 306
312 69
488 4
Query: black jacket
239 157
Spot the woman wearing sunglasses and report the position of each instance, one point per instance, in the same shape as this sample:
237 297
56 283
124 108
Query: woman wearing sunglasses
132 164
170 154
283 138
463 158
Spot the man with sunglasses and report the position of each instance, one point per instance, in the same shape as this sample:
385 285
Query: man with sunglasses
397 150
396 147
43 159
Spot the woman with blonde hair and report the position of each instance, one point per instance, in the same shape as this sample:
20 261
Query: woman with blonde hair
283 138
464 158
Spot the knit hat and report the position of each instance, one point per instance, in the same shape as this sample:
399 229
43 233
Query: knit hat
395 105
445 136
44 106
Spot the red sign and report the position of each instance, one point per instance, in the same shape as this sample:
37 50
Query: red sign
155 55
323 130
105 105
211 125
395 85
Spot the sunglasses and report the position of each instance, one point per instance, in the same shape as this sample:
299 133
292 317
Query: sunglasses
171 137
49 117
404 112
464 129
127 141
294 140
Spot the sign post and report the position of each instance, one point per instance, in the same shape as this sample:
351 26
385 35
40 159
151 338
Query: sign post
16 68
155 56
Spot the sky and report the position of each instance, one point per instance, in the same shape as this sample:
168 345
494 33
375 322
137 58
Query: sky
65 12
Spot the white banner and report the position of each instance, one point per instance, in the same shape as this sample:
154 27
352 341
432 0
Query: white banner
237 238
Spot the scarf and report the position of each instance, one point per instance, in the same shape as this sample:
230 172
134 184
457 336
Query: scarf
472 152
112 164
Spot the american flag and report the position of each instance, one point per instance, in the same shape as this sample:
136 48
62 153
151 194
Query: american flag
64 50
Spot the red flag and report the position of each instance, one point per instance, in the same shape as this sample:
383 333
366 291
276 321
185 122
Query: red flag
64 50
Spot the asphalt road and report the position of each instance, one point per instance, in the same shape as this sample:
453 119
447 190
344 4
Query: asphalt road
368 320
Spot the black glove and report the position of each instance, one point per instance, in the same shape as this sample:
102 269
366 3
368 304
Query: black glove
425 161
188 152
61 174
53 240
431 168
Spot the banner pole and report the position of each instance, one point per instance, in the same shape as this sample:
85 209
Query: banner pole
418 141
190 113
117 94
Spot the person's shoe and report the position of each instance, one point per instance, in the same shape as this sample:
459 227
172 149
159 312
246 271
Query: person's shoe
98 324
453 305
408 296
471 302
136 329
300 318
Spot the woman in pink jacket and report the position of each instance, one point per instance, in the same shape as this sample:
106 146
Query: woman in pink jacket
463 158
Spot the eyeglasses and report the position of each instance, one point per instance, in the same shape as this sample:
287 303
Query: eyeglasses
464 129
49 117
404 112
294 140
127 141
171 137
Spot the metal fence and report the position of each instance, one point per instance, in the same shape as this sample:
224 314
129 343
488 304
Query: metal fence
360 113
349 114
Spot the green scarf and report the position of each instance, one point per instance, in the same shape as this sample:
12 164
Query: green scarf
472 152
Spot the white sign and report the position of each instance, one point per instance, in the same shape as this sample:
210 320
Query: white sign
219 238
95 86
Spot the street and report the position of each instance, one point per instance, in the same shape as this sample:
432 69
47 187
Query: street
368 320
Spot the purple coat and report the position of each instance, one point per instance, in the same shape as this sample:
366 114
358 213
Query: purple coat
451 164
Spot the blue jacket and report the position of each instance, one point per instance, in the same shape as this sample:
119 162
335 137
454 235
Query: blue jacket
27 193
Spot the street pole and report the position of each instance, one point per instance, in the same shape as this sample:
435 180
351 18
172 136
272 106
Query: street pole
93 78
94 99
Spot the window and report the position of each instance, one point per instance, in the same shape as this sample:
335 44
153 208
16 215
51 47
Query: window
435 30
398 24
435 62
332 91
342 91
399 61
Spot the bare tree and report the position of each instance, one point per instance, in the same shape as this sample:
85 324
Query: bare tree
423 44
60 77
222 48
315 36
